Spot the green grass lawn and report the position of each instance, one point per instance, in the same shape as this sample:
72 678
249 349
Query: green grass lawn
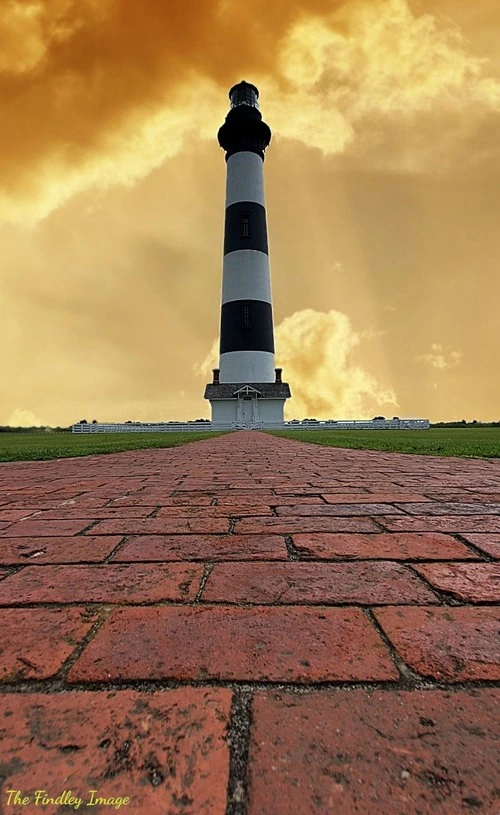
481 442
41 446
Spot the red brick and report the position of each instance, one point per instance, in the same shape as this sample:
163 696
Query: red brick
458 523
93 513
270 500
487 543
473 582
15 514
153 498
165 750
114 583
57 550
38 505
223 511
452 644
306 582
35 528
245 485
365 497
337 510
452 508
374 753
229 643
4 573
303 491
161 526
466 496
85 500
288 526
390 546
37 641
203 547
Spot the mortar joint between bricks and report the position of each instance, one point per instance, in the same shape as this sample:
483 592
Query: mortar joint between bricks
232 524
290 548
55 685
445 598
409 678
485 557
381 527
207 569
238 739
87 528
14 569
102 615
154 512
118 546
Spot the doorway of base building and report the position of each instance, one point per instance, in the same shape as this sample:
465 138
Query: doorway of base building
247 410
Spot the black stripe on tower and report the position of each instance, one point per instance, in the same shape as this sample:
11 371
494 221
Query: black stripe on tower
245 227
246 325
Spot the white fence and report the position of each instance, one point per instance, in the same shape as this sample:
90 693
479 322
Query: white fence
183 427
149 427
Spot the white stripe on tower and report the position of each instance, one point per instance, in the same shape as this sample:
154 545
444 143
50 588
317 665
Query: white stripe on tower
244 179
247 337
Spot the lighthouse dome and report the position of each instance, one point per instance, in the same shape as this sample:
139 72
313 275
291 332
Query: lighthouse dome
244 93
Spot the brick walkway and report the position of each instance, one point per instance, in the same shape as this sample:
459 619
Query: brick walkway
251 625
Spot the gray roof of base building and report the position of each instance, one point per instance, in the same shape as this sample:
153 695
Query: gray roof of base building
266 390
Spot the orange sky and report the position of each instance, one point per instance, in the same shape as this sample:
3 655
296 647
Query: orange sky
382 184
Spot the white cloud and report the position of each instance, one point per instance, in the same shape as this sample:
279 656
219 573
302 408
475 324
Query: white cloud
314 348
440 358
24 418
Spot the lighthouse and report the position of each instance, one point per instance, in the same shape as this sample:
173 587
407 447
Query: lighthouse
247 390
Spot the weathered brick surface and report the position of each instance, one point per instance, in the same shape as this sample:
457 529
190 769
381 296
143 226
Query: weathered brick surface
286 644
161 526
202 547
490 544
367 583
166 751
384 546
269 500
36 528
35 642
368 497
252 560
337 510
288 526
473 582
78 549
452 508
457 523
153 498
374 753
222 511
14 514
453 644
93 513
113 583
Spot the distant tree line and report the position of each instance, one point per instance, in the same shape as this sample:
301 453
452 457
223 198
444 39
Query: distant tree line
464 423
44 428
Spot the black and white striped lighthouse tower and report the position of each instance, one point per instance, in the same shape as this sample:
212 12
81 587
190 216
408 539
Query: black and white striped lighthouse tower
247 388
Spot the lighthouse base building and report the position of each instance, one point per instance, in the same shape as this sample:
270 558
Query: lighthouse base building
247 404
247 389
